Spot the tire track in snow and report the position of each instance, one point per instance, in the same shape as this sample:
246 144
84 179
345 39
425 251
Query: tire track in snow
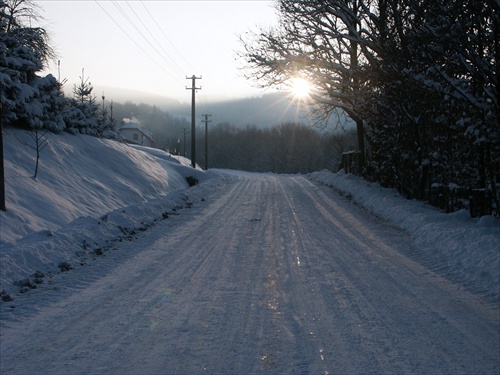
396 319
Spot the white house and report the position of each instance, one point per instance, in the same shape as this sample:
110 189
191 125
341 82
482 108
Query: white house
136 134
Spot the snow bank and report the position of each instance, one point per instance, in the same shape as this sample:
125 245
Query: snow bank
89 193
88 237
456 246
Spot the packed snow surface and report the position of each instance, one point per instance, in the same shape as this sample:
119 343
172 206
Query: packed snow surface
114 265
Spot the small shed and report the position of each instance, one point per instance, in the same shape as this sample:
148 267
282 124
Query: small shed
136 134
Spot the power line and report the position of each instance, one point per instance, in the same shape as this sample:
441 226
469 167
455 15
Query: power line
165 54
167 38
138 46
157 42
134 25
203 102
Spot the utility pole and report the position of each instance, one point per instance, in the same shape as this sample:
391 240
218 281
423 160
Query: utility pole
193 89
206 121
184 130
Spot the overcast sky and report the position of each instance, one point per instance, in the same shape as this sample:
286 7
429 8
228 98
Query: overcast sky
151 46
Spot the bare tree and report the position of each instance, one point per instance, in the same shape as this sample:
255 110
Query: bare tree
326 42
39 144
19 16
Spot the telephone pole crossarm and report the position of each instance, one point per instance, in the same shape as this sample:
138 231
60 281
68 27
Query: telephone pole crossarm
193 89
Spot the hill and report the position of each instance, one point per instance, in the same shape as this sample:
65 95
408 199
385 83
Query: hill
262 111
78 176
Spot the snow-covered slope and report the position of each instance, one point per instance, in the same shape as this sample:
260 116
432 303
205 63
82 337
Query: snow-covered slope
78 176
88 191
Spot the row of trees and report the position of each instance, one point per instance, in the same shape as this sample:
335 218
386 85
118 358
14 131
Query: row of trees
285 148
35 102
418 77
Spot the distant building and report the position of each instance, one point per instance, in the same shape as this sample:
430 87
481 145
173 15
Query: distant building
136 134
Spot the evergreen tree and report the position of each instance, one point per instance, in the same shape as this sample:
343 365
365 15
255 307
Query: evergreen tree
82 113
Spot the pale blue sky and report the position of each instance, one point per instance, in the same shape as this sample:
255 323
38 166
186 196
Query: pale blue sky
187 37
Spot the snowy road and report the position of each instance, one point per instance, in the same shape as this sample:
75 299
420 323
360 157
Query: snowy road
272 275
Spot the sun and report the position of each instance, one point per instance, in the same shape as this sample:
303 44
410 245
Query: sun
300 88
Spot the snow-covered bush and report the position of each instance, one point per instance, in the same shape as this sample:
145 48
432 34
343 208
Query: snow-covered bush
28 100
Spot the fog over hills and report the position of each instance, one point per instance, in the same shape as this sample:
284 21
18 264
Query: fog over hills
262 111
121 95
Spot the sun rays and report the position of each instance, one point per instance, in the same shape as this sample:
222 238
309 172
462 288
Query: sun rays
300 88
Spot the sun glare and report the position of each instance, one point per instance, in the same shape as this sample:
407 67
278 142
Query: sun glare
300 88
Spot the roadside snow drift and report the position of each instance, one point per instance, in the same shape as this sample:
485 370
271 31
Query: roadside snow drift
78 176
463 249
